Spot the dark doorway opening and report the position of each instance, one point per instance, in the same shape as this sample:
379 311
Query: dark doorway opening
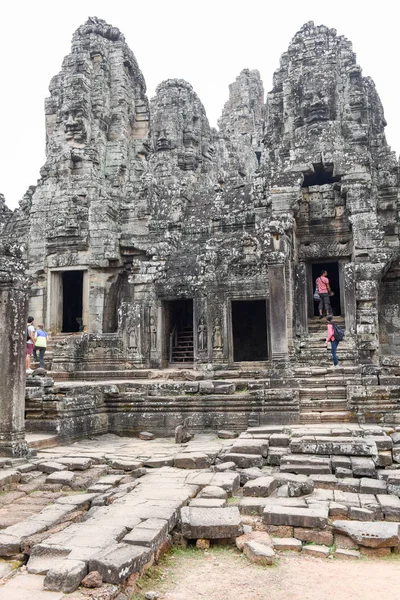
322 175
249 330
178 318
333 275
72 301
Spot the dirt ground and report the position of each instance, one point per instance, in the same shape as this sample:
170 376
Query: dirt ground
225 574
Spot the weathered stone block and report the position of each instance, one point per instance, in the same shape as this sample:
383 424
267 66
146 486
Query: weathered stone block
250 446
363 467
117 562
254 536
347 554
66 576
259 553
192 460
318 536
317 551
245 461
279 439
296 517
210 523
261 487
62 477
212 491
372 486
291 544
370 534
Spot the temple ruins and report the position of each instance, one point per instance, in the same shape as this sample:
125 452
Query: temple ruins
161 249
174 266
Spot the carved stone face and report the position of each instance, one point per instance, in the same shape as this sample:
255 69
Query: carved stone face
179 123
74 126
164 138
314 100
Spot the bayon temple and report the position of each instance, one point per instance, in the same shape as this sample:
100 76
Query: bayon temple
174 263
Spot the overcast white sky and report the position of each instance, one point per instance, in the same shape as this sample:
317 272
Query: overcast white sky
207 42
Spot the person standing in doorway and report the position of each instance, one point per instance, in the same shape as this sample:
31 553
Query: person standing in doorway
324 290
331 338
30 341
40 344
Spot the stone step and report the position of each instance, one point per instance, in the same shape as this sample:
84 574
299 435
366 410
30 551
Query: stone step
100 375
305 464
332 445
323 405
312 417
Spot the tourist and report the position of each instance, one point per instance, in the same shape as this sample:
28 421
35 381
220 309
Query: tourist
40 344
331 338
30 341
324 291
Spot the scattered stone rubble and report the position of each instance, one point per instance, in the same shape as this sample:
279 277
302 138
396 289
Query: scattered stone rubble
101 510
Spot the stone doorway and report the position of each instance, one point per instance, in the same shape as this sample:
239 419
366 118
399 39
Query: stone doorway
68 301
334 280
72 284
249 330
178 320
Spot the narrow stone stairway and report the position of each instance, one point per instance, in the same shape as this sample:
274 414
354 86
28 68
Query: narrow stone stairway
49 354
182 352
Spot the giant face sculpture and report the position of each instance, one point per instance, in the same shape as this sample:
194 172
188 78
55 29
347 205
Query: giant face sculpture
74 125
179 123
314 95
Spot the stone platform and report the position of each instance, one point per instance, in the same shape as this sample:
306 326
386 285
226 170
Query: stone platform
111 504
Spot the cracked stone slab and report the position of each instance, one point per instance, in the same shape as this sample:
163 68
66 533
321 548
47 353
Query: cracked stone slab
65 576
245 461
119 561
261 487
51 467
373 534
62 477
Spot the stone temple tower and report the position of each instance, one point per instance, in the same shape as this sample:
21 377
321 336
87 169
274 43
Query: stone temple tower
332 180
168 241
96 125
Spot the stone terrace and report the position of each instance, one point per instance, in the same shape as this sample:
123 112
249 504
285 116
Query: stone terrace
111 505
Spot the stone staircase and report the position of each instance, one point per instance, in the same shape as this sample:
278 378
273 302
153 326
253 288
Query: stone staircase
48 356
323 388
312 348
182 352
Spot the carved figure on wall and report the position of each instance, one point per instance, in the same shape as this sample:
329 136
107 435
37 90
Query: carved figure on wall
217 335
202 334
153 334
133 339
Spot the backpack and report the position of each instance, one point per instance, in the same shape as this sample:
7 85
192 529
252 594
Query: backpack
316 293
338 332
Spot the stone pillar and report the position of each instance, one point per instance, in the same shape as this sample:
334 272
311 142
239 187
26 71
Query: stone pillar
349 308
13 314
277 311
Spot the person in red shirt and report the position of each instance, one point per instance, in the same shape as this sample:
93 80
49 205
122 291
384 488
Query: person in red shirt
331 338
324 291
